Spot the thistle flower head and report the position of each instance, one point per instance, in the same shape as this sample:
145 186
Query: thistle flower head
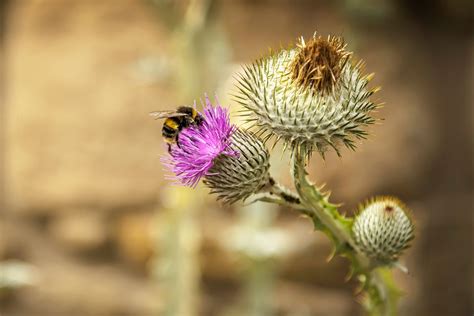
234 163
200 145
312 96
383 229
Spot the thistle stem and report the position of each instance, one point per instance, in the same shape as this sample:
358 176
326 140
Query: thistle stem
276 193
283 192
382 294
386 295
336 225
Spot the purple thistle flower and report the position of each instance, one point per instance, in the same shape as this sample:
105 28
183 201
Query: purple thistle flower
200 145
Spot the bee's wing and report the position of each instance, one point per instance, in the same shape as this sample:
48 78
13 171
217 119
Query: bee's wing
165 114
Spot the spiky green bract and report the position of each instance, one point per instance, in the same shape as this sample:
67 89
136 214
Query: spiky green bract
383 229
298 108
235 178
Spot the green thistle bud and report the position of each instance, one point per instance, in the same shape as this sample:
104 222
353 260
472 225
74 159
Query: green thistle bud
312 96
383 229
236 177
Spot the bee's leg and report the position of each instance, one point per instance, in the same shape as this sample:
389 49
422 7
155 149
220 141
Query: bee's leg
177 141
169 148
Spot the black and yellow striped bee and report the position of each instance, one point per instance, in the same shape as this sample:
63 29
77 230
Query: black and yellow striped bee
175 121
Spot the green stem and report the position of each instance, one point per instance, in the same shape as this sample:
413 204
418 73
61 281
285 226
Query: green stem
276 193
382 294
329 220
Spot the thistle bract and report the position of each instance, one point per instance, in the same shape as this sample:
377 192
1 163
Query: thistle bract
236 177
383 229
312 96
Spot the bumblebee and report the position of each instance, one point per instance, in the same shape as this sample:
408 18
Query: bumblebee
175 121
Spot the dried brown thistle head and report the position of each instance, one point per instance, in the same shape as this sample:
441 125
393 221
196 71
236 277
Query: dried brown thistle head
319 63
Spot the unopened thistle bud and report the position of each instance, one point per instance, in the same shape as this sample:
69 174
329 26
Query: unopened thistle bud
312 96
383 229
234 163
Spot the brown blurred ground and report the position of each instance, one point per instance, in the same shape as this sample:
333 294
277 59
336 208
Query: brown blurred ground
82 178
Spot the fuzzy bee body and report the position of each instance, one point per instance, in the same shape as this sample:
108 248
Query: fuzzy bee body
176 121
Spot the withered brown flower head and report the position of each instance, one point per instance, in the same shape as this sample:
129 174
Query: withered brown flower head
319 63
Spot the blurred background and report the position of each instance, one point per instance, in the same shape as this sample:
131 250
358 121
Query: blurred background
90 226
